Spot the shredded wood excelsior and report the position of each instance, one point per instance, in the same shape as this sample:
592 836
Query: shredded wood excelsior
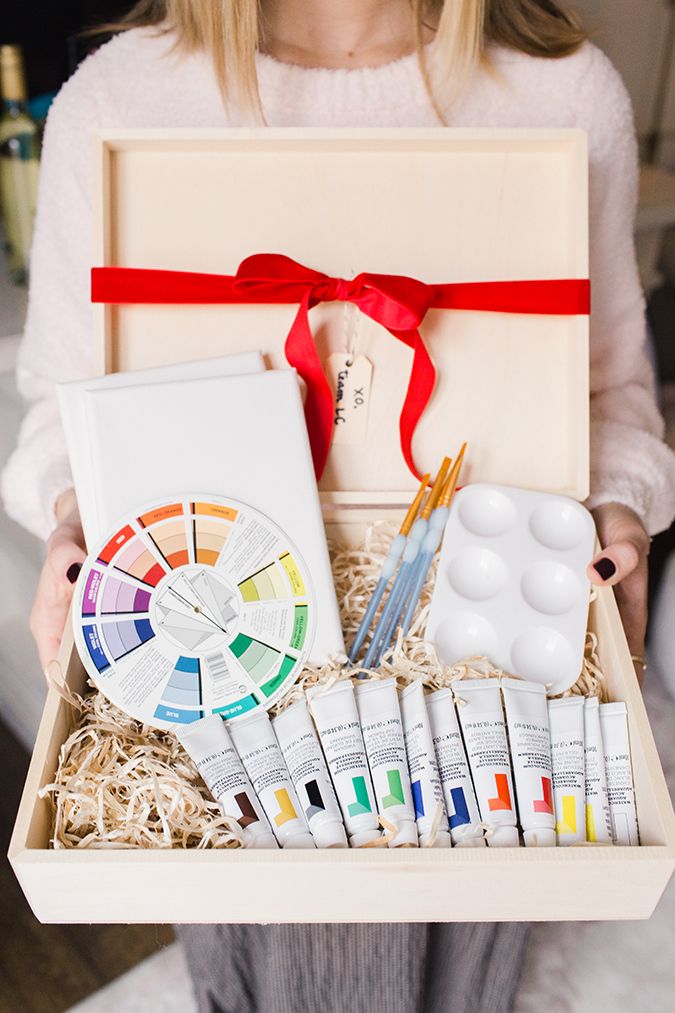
122 784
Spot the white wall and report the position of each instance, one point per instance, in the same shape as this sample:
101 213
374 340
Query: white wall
634 33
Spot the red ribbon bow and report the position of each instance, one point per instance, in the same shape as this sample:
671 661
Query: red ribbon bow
396 302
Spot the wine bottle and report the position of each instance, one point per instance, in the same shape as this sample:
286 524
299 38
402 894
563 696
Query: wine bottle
19 163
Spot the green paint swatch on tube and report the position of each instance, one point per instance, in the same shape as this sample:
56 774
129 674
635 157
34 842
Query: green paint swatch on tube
362 804
395 796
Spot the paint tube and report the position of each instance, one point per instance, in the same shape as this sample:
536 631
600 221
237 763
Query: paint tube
300 745
598 819
209 745
453 767
566 721
382 727
425 781
337 722
620 788
530 741
258 748
479 706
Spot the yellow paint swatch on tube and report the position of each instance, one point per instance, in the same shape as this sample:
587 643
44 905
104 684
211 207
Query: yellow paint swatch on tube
286 810
568 823
590 825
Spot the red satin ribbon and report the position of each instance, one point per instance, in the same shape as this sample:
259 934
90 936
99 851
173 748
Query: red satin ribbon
397 303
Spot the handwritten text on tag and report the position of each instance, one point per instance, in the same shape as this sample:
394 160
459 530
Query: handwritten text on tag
350 379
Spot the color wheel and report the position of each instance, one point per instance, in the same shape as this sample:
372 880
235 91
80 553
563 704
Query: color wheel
194 606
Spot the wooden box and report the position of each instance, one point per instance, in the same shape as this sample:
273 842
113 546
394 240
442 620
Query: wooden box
438 205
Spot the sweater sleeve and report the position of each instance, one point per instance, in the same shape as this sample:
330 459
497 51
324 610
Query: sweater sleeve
630 463
56 345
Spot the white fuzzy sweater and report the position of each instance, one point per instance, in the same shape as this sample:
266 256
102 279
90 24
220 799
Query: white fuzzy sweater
136 81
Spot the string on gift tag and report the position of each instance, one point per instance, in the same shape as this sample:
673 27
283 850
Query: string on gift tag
351 331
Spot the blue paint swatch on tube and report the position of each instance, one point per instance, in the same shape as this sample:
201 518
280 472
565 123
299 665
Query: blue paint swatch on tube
418 799
460 817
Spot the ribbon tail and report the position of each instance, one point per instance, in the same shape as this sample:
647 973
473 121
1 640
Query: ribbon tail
301 353
420 388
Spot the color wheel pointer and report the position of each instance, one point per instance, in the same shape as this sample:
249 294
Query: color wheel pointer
196 608
392 606
432 540
388 570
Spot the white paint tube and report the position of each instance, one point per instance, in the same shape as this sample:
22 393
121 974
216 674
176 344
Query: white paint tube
530 740
382 727
479 706
566 720
337 722
209 745
598 818
425 781
258 748
453 767
614 726
300 745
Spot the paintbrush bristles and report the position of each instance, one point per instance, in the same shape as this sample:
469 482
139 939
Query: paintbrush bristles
436 488
452 479
415 506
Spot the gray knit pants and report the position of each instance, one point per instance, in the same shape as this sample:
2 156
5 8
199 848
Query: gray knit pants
408 968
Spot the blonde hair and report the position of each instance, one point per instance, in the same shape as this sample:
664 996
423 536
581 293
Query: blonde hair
232 31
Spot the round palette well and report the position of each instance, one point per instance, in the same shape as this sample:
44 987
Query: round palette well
512 583
194 606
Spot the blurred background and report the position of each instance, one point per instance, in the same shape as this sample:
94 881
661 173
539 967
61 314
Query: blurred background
630 965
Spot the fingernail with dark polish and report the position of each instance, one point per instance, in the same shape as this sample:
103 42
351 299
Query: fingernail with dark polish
73 572
605 567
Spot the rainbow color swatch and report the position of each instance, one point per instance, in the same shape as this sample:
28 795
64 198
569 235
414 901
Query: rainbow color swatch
194 606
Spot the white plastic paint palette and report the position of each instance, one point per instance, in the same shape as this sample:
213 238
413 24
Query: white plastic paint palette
512 583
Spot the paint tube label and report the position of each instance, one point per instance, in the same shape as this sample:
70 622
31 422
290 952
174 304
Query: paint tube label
530 740
382 729
621 798
306 765
228 783
598 818
425 781
264 764
209 745
482 721
620 787
453 767
337 722
566 719
385 749
350 378
488 756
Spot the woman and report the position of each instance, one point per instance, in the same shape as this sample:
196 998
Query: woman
501 63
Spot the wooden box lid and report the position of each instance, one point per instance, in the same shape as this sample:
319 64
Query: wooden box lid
439 205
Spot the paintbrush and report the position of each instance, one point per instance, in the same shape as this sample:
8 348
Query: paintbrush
415 538
432 540
388 569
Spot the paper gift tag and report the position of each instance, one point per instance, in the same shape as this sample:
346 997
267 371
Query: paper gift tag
350 379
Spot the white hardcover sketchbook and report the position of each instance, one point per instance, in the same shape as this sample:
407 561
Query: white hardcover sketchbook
239 436
72 404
